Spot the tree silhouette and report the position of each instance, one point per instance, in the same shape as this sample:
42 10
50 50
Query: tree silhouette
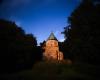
83 33
17 49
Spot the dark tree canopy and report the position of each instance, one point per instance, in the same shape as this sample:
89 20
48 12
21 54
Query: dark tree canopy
17 49
83 33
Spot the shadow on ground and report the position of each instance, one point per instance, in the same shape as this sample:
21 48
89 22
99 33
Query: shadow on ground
56 71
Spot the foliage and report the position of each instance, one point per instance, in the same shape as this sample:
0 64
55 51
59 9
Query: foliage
17 49
83 33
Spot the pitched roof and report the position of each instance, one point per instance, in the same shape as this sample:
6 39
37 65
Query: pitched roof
52 37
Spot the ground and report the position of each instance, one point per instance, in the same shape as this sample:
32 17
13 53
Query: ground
56 71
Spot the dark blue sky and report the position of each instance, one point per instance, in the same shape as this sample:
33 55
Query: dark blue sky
39 17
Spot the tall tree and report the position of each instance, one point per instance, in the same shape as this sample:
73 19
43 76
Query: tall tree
83 33
17 49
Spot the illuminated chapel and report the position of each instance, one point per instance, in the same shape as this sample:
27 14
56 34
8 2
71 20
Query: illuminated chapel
51 49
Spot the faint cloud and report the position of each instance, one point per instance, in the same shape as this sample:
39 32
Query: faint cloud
61 40
15 3
17 21
56 33
59 36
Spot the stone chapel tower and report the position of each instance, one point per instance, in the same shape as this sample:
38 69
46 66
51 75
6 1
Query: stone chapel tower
52 49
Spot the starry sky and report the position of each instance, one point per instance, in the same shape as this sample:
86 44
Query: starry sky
39 17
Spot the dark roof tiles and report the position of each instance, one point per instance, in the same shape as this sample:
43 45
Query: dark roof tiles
52 37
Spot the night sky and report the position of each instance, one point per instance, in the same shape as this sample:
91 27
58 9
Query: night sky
39 17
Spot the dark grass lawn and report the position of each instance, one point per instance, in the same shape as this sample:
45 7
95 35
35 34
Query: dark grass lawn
56 71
